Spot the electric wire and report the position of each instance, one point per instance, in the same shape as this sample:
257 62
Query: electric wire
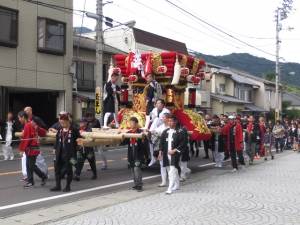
218 28
81 30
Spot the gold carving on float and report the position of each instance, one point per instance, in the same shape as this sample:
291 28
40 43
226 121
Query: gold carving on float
195 66
183 61
179 101
197 121
156 62
132 113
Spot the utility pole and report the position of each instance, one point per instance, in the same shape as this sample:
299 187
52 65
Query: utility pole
281 14
99 63
277 69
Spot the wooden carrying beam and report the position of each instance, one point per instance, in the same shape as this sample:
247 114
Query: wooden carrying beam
93 135
116 131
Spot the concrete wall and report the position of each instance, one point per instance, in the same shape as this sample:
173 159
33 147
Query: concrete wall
225 108
23 66
116 38
229 84
218 78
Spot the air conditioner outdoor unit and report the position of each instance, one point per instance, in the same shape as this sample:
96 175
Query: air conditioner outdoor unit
219 91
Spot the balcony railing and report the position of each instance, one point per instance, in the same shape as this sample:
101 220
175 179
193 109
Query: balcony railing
83 84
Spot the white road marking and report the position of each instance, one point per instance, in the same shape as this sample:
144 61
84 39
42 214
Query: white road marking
117 149
70 194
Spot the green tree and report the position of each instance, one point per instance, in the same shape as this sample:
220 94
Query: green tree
270 76
289 113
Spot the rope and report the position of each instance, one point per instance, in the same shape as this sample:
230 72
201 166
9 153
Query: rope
39 138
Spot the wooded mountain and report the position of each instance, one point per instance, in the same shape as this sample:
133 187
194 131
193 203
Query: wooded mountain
254 65
83 30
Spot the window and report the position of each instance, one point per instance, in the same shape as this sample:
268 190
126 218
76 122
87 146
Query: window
236 92
85 75
268 95
222 87
8 27
51 36
244 95
247 96
241 94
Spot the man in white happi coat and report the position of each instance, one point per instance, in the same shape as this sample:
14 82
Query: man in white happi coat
172 143
155 140
157 114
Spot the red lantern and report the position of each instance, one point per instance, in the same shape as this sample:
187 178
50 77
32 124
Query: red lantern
197 80
185 71
201 75
125 79
190 78
124 95
192 98
133 78
170 95
117 70
162 69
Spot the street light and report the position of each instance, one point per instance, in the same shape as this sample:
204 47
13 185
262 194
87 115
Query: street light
129 24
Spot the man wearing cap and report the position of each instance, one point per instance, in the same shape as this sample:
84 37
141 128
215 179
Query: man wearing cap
84 153
234 133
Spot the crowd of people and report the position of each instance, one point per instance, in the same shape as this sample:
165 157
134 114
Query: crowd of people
163 139
252 139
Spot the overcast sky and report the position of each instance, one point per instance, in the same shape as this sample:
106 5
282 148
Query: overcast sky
242 19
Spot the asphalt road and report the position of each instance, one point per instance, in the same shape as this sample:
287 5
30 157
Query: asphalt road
16 200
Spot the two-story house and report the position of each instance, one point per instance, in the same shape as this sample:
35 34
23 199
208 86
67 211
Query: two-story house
293 98
35 57
264 96
233 94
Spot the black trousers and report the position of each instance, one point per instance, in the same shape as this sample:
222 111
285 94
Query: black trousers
150 107
233 154
63 167
192 142
280 141
206 146
81 157
31 167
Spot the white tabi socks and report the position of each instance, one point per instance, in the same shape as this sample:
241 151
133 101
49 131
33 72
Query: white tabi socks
153 160
176 186
106 116
171 184
116 120
147 122
163 172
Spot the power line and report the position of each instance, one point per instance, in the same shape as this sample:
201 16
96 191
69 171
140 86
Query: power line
242 35
179 8
191 27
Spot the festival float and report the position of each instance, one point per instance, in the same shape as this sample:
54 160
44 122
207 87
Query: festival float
173 71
